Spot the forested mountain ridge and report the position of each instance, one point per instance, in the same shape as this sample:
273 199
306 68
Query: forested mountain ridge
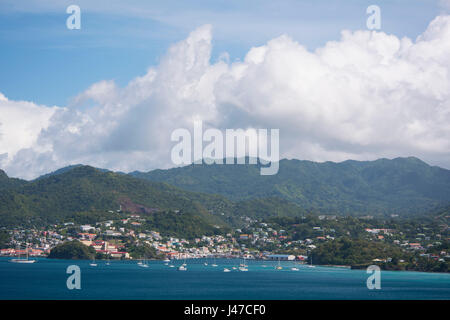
220 194
8 183
401 185
85 189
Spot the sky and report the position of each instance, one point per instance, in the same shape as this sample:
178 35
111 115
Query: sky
111 93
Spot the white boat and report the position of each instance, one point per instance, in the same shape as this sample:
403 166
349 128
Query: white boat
93 264
182 268
214 264
243 264
279 267
143 264
167 260
226 270
22 261
311 265
26 260
295 269
234 268
171 266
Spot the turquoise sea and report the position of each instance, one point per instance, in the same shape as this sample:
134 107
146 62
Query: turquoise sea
46 279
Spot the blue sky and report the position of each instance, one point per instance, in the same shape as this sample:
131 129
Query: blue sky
44 62
111 94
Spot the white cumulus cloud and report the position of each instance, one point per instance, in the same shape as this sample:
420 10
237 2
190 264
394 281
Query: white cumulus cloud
365 96
21 123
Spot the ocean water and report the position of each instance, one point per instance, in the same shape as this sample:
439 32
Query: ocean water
46 279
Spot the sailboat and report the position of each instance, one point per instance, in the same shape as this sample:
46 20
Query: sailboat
294 268
214 264
93 264
311 265
226 270
243 263
279 267
107 260
243 266
143 264
183 266
27 260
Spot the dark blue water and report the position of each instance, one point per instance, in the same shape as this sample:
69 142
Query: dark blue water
46 279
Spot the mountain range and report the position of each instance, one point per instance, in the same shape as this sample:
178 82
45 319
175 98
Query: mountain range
84 190
221 194
398 186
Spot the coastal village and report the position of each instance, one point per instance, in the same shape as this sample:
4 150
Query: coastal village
257 240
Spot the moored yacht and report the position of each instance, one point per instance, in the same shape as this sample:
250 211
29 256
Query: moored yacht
26 260
143 264
311 265
279 267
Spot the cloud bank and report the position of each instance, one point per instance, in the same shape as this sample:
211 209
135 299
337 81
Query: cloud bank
366 96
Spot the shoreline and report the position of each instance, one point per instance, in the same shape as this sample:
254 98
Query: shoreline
317 265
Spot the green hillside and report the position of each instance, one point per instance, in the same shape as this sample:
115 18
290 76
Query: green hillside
7 183
401 185
267 207
221 194
60 197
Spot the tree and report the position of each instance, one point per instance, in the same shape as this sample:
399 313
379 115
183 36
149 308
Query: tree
72 250
4 239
